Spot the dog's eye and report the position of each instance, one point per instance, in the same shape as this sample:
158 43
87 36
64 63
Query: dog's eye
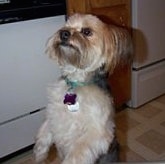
86 31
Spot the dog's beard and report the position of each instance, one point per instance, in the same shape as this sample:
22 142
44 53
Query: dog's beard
74 52
69 54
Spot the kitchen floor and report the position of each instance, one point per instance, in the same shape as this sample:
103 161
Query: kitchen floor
140 132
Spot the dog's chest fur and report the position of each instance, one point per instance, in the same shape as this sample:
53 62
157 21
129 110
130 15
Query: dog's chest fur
95 108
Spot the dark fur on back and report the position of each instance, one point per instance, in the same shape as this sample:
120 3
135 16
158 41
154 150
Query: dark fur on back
100 78
112 154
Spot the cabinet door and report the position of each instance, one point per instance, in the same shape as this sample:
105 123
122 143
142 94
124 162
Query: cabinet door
117 12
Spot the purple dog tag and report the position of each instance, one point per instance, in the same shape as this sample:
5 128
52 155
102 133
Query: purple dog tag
70 99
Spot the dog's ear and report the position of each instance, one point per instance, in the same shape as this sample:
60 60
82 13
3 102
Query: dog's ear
118 46
50 48
52 51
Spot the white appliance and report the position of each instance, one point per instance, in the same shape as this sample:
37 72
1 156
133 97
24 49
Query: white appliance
25 73
148 73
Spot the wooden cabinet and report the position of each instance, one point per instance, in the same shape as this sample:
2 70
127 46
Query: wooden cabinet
117 12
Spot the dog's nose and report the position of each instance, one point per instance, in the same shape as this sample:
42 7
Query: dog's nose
64 35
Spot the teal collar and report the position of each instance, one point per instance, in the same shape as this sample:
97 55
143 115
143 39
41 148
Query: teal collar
75 84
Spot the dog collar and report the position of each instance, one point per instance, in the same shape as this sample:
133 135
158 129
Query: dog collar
74 84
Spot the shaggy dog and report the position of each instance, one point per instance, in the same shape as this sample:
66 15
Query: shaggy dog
79 118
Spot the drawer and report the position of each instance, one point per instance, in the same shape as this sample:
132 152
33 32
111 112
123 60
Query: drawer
19 133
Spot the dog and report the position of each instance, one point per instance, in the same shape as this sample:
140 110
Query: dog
80 113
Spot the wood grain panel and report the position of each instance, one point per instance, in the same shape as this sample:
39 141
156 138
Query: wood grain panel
106 3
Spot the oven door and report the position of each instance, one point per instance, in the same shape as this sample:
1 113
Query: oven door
26 72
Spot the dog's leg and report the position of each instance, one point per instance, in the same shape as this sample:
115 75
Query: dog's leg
87 149
43 142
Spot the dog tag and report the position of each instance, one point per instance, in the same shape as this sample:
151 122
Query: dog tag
74 107
70 98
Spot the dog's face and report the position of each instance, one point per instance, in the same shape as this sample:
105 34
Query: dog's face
86 43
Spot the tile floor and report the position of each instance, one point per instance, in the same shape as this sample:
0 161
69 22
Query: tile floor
141 132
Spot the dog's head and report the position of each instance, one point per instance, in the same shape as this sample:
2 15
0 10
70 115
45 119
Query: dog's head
86 43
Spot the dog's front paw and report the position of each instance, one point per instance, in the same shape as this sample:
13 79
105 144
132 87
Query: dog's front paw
68 162
40 151
43 142
41 147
